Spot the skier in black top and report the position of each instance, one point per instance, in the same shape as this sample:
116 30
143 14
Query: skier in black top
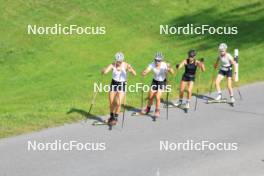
188 77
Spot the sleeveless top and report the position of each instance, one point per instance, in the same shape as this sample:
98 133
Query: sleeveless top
190 68
159 74
119 75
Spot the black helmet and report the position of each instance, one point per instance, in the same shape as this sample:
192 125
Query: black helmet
192 53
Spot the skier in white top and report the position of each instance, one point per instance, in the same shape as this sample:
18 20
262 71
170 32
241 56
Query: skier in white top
225 70
160 71
118 85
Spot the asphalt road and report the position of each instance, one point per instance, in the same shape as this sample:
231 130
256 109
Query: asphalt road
135 149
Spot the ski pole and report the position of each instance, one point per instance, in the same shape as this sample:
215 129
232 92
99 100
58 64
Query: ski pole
124 104
142 93
212 82
197 90
124 110
176 77
239 93
167 99
93 99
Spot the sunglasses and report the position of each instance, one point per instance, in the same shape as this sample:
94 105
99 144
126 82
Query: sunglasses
157 60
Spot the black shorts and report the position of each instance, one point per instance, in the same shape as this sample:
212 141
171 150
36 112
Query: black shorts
117 86
227 73
158 85
188 78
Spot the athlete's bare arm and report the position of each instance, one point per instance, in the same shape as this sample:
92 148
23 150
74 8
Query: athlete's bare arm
170 69
182 64
107 69
131 69
201 65
146 71
233 62
216 63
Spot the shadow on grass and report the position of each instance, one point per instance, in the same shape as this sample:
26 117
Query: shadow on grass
249 19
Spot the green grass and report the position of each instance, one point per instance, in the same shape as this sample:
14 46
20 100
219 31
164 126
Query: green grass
43 77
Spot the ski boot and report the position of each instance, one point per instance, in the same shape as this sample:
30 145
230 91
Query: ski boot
232 100
178 103
145 111
112 121
156 114
219 97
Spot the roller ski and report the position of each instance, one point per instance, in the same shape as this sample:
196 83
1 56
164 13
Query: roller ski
112 121
172 105
99 123
141 113
169 106
224 100
219 99
185 107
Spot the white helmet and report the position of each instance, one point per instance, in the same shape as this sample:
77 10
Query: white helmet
222 46
119 57
158 56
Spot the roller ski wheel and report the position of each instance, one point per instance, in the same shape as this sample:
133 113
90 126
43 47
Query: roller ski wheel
216 101
98 123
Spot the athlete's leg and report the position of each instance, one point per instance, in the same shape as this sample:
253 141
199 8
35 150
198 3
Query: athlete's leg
181 92
229 86
189 90
149 102
182 87
119 99
230 89
189 93
218 80
151 96
112 95
112 101
158 97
